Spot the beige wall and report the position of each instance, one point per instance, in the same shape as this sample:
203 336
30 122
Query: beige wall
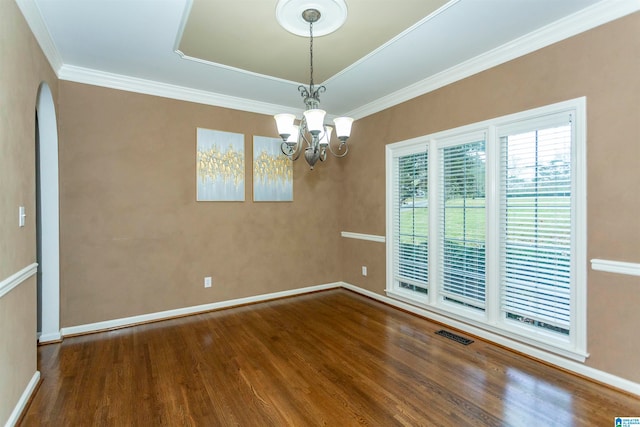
603 65
133 238
22 68
18 344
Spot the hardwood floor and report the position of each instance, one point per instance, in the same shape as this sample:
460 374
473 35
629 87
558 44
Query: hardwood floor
332 358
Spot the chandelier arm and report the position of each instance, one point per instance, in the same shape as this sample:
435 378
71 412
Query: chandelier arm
298 147
304 92
316 93
342 144
284 147
292 152
302 134
297 153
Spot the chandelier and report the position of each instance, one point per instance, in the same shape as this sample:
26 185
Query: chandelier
312 135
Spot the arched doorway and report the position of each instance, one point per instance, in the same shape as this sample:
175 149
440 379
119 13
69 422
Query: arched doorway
47 213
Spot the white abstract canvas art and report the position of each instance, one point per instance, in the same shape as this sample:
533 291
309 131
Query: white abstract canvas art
272 171
220 166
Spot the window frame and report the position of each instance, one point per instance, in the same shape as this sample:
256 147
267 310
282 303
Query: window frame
575 345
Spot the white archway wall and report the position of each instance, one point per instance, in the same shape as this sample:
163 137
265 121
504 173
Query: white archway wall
49 221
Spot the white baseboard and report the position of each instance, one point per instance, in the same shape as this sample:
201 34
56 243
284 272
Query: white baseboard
553 359
48 338
24 399
569 365
150 317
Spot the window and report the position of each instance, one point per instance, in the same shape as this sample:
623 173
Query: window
535 223
411 218
462 222
504 246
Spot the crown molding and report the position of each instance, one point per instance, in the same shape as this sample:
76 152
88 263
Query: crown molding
589 18
165 90
32 15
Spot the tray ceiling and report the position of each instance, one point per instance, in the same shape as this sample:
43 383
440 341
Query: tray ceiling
387 51
248 37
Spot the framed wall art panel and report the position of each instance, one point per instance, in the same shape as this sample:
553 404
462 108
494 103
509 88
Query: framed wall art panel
272 171
220 166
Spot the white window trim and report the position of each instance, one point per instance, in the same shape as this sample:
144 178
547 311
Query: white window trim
490 320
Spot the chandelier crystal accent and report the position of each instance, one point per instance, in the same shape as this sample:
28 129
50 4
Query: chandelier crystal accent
312 135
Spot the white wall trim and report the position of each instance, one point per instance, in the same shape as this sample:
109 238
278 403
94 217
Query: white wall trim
390 42
24 399
553 359
49 337
591 17
168 314
32 15
17 278
360 236
150 87
630 268
49 230
561 362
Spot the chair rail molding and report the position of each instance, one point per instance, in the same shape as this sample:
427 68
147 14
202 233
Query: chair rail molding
361 236
619 267
17 278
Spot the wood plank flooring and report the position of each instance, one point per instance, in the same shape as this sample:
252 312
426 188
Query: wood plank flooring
332 358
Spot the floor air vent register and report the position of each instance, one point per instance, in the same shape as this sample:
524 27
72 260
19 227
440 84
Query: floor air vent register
454 337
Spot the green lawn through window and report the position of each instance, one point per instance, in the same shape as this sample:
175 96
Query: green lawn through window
414 220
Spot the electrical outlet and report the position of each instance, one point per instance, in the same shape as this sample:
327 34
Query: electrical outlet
207 282
364 270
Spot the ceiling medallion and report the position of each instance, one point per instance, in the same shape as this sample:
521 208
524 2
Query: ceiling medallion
333 13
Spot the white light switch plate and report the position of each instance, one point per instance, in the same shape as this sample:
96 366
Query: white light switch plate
21 216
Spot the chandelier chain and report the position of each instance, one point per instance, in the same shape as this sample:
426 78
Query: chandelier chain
311 54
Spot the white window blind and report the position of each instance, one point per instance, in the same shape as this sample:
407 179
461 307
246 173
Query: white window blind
411 221
535 219
462 223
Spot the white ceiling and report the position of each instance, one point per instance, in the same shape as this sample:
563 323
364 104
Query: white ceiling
131 45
